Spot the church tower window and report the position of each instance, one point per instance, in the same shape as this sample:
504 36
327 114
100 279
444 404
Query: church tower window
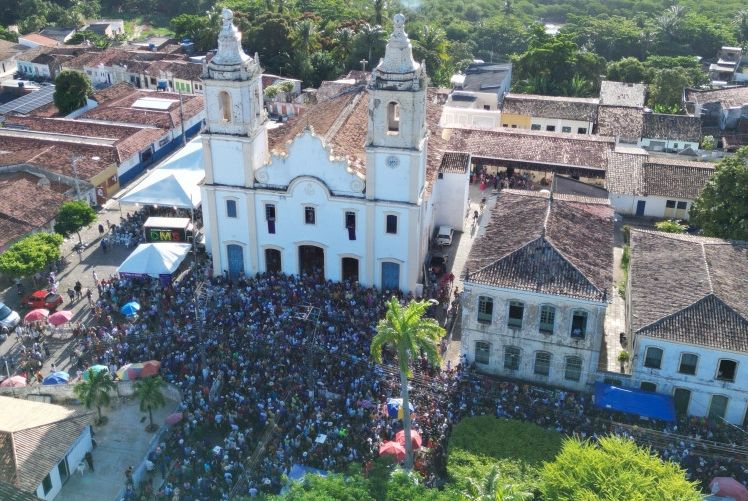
393 118
224 104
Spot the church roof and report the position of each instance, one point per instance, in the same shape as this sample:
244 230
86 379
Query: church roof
342 123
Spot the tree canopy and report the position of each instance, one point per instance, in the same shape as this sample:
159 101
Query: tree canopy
71 90
612 469
30 254
721 210
73 216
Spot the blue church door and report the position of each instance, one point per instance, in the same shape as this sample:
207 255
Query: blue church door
390 276
235 255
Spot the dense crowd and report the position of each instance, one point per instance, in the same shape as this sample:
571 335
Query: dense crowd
290 355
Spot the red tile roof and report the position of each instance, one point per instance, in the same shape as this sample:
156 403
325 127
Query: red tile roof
29 202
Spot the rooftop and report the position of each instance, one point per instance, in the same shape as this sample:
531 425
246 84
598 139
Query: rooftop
589 152
622 94
559 245
728 97
10 49
486 77
690 289
453 162
639 175
620 121
40 39
566 108
672 127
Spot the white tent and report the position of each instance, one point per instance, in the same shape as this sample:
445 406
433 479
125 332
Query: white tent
168 187
155 260
188 158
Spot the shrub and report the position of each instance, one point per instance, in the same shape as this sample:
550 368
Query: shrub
670 226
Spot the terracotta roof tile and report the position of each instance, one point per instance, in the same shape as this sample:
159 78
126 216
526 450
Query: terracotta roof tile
728 97
620 121
690 289
640 175
458 163
566 108
622 94
672 127
533 242
41 39
56 156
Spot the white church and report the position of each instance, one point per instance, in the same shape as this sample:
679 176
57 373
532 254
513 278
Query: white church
352 189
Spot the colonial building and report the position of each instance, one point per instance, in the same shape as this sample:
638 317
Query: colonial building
536 288
571 115
346 190
671 133
687 308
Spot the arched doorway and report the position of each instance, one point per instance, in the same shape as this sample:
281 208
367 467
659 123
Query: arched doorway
235 255
272 260
311 260
350 269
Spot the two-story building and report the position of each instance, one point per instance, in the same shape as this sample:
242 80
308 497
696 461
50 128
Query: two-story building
687 309
536 288
570 115
621 111
476 97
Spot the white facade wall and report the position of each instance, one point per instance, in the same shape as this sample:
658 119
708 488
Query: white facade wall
30 69
451 200
667 144
528 338
74 456
654 207
703 385
559 124
470 117
8 67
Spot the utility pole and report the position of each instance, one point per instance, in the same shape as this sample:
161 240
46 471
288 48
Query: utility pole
181 117
199 300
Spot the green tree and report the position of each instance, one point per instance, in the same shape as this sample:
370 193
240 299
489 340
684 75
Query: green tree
628 69
612 38
100 41
670 226
148 392
338 487
7 35
73 217
612 470
431 46
405 329
30 254
368 44
94 390
494 488
667 87
270 35
740 23
201 30
71 90
721 210
708 143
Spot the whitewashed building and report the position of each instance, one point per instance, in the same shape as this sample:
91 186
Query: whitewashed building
671 133
346 190
655 186
536 288
687 308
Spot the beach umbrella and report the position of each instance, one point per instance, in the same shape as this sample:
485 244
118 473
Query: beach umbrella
395 408
174 418
61 317
95 369
728 487
150 368
36 315
415 438
394 449
14 382
130 309
128 372
59 377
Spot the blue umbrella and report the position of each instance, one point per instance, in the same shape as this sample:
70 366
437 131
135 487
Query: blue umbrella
395 407
130 309
59 377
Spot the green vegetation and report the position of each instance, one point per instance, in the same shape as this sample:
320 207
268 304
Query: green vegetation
30 254
721 210
670 226
405 330
148 392
625 258
613 469
516 449
71 90
94 390
73 217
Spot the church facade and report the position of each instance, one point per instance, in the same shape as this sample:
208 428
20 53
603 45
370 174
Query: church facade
346 190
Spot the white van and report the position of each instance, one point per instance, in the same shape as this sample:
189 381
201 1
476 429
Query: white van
444 235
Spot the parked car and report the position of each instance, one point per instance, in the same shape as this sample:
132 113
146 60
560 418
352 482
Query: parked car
8 317
444 235
43 299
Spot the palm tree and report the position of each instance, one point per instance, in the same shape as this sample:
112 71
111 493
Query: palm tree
371 35
404 329
740 21
343 42
379 6
94 390
493 489
148 391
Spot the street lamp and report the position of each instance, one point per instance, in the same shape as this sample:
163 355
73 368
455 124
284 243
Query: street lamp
76 159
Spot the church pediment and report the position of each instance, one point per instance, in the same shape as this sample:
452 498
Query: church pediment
307 155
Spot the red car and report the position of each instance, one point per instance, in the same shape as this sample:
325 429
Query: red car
43 299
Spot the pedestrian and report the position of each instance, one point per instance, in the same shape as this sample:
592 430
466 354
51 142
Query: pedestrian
89 296
45 348
101 230
108 225
128 476
95 277
89 460
54 367
78 289
71 294
103 245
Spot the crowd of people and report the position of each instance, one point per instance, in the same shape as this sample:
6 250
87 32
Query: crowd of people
503 180
281 363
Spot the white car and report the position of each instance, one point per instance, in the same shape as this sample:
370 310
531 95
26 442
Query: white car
444 235
8 317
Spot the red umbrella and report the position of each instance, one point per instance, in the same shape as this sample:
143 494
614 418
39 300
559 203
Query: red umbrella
174 418
61 317
150 368
14 382
728 487
415 438
393 448
36 315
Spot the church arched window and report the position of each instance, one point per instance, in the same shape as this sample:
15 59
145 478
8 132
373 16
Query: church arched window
393 118
224 105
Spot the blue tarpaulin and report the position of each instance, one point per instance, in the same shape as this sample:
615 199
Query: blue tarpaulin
640 403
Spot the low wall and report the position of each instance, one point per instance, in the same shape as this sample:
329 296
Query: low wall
61 393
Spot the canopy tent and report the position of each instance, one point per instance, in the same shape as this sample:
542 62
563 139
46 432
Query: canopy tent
188 158
159 260
168 187
641 403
